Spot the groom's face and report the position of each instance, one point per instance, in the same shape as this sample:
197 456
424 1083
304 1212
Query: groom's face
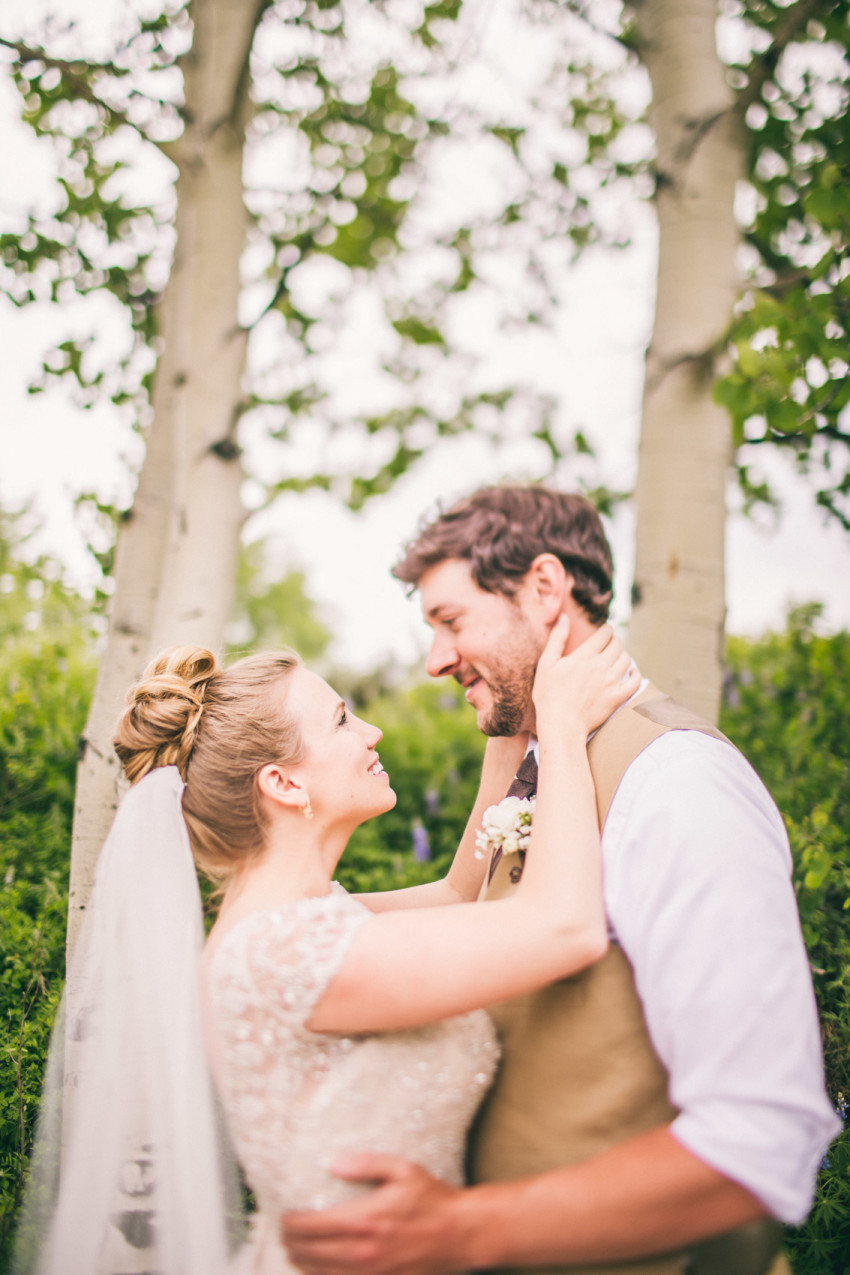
488 643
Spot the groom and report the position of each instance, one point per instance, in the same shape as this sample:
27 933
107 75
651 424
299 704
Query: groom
664 1110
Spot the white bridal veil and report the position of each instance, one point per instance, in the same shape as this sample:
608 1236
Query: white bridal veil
130 1160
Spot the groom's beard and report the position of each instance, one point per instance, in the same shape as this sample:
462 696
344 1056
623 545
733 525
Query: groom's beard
509 681
508 711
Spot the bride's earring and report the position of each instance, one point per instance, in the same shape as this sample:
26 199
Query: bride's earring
307 809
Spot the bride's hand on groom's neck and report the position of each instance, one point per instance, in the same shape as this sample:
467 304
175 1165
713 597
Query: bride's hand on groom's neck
576 691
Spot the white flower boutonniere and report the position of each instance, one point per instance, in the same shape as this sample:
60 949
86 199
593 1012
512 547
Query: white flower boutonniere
506 826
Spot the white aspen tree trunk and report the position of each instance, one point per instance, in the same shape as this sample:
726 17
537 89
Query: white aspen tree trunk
199 571
678 613
176 552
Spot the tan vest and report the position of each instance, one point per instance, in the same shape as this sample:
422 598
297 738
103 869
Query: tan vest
579 1072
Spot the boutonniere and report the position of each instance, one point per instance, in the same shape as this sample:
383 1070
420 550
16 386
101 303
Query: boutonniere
505 827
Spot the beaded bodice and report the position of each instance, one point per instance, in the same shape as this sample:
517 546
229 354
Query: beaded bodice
295 1099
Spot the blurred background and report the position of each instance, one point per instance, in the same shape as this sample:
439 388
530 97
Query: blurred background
279 277
561 305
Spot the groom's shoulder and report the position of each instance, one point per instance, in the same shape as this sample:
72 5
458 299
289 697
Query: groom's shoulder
656 750
694 771
661 710
622 741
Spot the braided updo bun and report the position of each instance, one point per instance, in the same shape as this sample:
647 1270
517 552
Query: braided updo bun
160 722
219 727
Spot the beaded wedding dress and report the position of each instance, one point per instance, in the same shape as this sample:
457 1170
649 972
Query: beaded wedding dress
296 1099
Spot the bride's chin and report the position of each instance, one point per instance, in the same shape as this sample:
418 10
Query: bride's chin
388 803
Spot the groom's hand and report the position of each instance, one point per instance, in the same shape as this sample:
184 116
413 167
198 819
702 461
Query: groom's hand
406 1226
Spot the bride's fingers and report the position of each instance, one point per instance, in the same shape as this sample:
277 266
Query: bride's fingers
603 643
601 650
599 640
600 661
555 643
621 664
628 682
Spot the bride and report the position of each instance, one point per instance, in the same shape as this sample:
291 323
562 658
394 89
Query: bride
329 1023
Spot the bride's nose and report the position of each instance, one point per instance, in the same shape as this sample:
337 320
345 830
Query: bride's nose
372 734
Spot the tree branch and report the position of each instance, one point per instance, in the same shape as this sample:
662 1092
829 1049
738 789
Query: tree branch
832 432
794 23
785 283
34 53
74 72
71 71
694 131
658 369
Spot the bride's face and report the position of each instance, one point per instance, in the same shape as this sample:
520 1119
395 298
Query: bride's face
341 773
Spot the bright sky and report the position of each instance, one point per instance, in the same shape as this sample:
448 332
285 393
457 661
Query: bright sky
592 362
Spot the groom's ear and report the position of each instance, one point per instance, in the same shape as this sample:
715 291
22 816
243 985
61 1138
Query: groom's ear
548 586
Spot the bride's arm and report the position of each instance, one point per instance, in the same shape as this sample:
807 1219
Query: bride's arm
410 967
464 879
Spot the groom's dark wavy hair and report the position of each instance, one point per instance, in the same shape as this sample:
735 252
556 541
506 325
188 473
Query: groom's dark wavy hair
501 530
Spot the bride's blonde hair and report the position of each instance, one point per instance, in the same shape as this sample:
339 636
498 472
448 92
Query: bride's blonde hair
219 727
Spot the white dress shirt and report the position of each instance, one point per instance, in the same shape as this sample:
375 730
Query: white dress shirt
698 893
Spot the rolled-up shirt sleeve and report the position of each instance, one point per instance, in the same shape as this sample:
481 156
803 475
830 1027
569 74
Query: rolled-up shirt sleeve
699 894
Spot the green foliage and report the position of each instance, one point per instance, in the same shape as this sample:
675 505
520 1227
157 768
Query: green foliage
789 65
432 751
32 960
46 675
787 706
822 1245
789 384
95 240
44 692
788 709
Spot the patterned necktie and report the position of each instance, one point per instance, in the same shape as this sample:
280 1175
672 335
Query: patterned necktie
523 785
